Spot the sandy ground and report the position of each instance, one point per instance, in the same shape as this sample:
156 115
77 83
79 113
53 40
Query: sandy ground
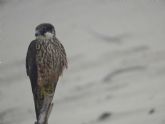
116 53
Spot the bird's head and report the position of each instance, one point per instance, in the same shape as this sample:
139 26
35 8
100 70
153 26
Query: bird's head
45 30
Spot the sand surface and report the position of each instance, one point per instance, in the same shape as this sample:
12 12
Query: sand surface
116 54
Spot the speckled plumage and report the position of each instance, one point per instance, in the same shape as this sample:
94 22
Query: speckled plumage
45 62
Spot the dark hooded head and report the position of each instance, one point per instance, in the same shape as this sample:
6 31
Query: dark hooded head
45 30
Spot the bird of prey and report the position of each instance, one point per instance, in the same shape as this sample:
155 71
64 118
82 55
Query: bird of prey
45 61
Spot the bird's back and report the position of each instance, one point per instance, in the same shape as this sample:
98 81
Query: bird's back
51 54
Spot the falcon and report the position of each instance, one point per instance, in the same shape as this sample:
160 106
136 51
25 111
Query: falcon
45 61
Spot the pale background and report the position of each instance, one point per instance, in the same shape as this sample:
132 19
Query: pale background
116 54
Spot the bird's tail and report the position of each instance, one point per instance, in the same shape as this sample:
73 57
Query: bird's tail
45 111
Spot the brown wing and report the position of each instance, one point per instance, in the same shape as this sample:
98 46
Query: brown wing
60 55
31 69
